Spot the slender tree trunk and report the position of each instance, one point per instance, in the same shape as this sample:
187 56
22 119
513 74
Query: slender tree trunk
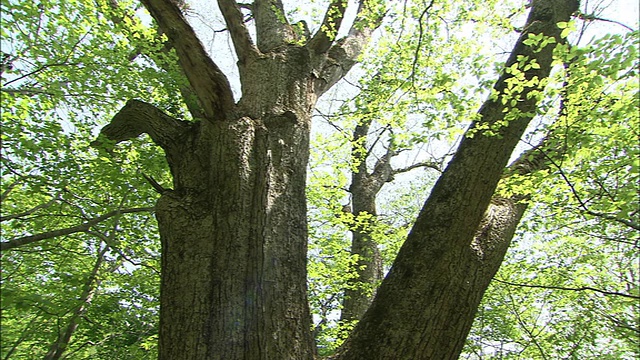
90 285
364 188
368 268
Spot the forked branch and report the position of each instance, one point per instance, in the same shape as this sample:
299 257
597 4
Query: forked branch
343 54
322 40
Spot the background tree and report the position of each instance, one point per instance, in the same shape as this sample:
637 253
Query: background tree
233 224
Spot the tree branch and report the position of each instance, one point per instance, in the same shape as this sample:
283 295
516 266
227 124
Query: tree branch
23 336
322 40
10 187
630 223
343 54
422 164
238 31
210 84
531 160
188 94
545 155
582 288
592 17
138 117
112 246
89 289
15 243
30 211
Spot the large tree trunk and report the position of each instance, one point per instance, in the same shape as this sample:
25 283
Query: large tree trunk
233 228
233 280
425 307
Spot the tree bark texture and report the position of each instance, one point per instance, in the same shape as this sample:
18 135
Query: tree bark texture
233 227
425 307
231 284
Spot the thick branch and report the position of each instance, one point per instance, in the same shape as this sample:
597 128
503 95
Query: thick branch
343 54
322 40
210 84
503 215
239 33
138 117
272 27
15 243
187 92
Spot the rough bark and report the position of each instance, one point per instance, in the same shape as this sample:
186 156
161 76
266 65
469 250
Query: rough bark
231 284
425 306
233 228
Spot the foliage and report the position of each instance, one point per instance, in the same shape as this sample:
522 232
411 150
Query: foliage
568 288
60 73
